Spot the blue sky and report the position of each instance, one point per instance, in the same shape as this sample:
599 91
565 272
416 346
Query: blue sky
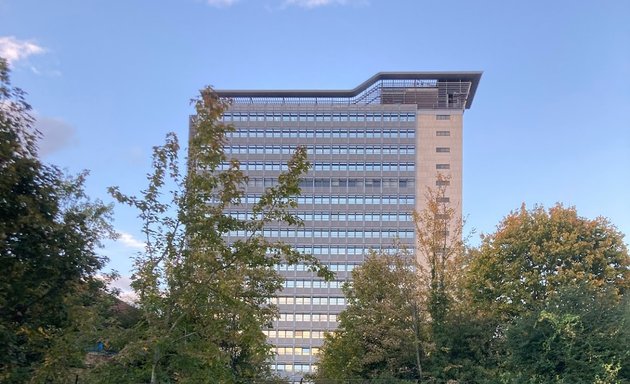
549 123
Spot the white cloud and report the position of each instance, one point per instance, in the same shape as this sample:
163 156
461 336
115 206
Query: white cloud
56 135
130 241
15 50
123 284
221 3
321 3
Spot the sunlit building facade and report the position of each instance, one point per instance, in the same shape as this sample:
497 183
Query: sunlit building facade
374 151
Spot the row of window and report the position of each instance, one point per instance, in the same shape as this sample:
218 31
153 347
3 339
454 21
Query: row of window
328 233
324 133
293 334
329 216
319 116
335 267
442 133
338 182
312 284
442 149
363 167
301 368
302 300
442 117
305 317
442 166
322 150
345 200
297 351
361 200
333 250
352 167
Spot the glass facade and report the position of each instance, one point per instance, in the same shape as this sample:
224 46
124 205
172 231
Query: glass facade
369 207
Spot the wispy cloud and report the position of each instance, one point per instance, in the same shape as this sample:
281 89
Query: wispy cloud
128 240
123 285
15 50
56 135
322 3
221 3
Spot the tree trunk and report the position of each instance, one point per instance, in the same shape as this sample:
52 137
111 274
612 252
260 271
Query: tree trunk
416 332
156 359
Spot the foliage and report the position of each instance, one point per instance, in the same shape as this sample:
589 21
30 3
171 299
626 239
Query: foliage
49 233
205 299
377 334
535 282
440 246
542 300
581 335
534 253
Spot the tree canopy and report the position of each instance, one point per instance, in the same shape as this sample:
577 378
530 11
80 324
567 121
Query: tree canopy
205 278
580 335
536 252
542 300
377 337
49 235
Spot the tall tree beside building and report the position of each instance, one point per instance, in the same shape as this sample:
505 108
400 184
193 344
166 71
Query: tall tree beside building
49 235
440 250
395 298
205 299
378 333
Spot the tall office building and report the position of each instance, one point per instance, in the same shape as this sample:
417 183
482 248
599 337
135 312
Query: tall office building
374 151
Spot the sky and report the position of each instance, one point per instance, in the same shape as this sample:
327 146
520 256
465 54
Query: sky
549 122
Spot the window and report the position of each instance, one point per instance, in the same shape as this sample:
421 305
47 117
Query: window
442 117
441 183
442 166
443 149
443 199
442 133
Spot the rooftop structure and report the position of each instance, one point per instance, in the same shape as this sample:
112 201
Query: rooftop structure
428 90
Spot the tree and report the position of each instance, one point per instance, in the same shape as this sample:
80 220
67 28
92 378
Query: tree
440 246
580 335
540 285
49 233
534 253
427 295
377 336
205 279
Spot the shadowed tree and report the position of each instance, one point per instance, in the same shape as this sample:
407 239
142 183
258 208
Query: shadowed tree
49 234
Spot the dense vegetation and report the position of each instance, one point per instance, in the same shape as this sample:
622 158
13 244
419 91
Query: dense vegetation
542 300
49 235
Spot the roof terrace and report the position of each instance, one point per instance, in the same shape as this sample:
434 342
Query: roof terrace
428 90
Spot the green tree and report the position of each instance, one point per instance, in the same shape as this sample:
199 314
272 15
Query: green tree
205 298
49 234
440 247
534 253
377 335
580 335
537 286
427 296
